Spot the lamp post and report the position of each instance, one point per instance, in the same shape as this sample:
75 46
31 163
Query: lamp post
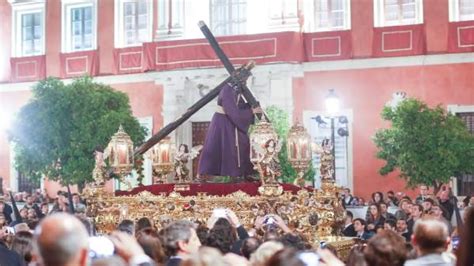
332 107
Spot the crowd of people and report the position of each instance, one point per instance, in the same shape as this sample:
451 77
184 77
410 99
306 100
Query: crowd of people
419 232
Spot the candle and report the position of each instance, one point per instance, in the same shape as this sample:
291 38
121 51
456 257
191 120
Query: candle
122 154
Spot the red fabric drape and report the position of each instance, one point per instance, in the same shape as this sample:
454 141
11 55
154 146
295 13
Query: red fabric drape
29 68
79 64
263 48
218 189
331 45
399 41
130 60
461 37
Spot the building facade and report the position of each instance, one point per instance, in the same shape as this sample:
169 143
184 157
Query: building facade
366 50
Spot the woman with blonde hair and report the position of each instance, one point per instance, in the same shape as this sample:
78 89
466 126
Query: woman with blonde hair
264 252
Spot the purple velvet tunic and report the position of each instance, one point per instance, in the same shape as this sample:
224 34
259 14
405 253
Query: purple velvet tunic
220 154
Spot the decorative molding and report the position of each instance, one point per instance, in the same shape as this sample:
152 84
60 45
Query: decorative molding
386 33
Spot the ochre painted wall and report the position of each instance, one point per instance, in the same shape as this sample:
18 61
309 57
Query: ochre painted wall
366 91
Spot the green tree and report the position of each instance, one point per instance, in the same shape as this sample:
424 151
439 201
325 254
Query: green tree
426 145
68 122
281 124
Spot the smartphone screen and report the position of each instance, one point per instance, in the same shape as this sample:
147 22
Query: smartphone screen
100 247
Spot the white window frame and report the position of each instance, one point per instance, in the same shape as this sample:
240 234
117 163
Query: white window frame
66 29
310 14
454 12
229 24
379 14
288 22
22 8
119 36
178 27
309 122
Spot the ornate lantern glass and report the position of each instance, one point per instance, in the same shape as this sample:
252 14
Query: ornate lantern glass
120 152
162 155
299 147
262 133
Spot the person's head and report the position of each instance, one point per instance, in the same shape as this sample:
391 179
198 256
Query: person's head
29 200
264 252
416 211
180 238
377 197
427 204
444 194
31 215
149 240
349 217
471 201
143 223
423 190
127 226
61 239
374 210
24 213
359 225
401 225
62 197
285 257
383 208
76 199
183 148
405 205
249 246
45 208
390 224
202 233
294 241
391 194
430 236
3 220
464 254
206 256
23 245
221 236
347 192
436 211
386 248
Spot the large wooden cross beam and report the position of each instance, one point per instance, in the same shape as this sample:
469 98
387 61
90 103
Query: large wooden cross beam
237 77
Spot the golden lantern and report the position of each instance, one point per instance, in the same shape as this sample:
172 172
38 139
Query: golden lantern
119 151
162 155
299 151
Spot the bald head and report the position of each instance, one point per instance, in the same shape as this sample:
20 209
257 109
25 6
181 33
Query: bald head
430 235
62 240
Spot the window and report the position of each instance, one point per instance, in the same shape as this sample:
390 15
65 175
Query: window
397 12
331 15
461 10
283 14
28 29
228 17
170 18
133 22
79 25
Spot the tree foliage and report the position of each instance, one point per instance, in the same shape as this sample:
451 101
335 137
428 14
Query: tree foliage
68 122
281 124
427 145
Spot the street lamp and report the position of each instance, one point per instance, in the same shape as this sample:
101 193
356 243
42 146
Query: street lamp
332 107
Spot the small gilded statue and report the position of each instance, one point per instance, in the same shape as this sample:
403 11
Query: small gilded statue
268 165
181 159
327 160
98 174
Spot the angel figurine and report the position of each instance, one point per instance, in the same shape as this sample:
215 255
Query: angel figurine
181 160
268 165
327 160
98 173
